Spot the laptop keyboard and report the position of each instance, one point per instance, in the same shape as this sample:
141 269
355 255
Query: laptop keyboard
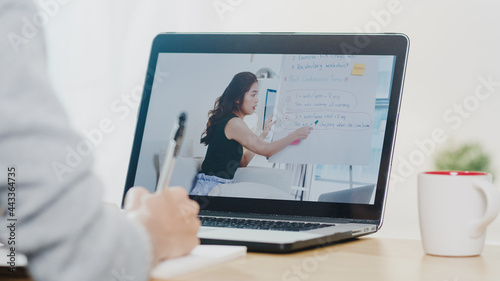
260 224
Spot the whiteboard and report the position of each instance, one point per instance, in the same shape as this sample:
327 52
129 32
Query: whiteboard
334 94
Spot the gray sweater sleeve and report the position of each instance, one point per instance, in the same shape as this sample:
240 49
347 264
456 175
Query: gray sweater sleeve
62 226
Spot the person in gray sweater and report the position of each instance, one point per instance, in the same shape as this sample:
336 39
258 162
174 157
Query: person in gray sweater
59 222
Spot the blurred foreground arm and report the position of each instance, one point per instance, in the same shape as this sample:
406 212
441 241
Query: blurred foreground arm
62 225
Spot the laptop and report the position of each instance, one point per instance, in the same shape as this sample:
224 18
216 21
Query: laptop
329 187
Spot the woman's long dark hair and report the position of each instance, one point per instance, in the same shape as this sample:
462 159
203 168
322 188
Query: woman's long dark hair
227 103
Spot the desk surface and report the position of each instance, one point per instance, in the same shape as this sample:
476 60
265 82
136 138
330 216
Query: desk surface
362 259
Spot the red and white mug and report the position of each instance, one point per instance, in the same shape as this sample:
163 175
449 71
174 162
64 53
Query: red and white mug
455 207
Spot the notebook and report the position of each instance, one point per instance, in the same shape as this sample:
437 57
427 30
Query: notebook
328 187
202 256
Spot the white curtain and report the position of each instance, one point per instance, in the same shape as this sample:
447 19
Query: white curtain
98 53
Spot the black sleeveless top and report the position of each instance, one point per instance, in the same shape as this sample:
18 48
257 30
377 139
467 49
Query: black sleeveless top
223 155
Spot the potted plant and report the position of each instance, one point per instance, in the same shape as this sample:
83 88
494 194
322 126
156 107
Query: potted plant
465 157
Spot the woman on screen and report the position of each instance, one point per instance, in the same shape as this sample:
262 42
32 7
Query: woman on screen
231 144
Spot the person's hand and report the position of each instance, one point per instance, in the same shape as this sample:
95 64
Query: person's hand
301 133
267 126
170 217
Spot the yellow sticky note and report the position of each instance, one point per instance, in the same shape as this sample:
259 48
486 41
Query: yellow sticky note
358 69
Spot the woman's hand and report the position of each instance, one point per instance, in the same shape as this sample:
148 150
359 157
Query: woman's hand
267 126
301 133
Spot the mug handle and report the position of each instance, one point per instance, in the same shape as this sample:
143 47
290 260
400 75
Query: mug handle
492 207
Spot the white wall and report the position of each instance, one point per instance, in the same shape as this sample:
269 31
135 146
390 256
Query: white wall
99 49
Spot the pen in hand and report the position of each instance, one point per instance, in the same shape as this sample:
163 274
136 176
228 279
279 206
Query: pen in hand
172 151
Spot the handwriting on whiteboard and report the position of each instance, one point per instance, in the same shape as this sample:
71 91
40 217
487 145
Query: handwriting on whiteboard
323 109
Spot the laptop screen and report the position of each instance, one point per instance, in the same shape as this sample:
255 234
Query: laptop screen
343 97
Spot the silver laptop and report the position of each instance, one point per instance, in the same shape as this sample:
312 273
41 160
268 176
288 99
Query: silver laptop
327 188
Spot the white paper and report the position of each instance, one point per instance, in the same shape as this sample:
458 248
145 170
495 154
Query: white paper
201 257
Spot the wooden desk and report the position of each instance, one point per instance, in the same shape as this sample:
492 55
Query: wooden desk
363 259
